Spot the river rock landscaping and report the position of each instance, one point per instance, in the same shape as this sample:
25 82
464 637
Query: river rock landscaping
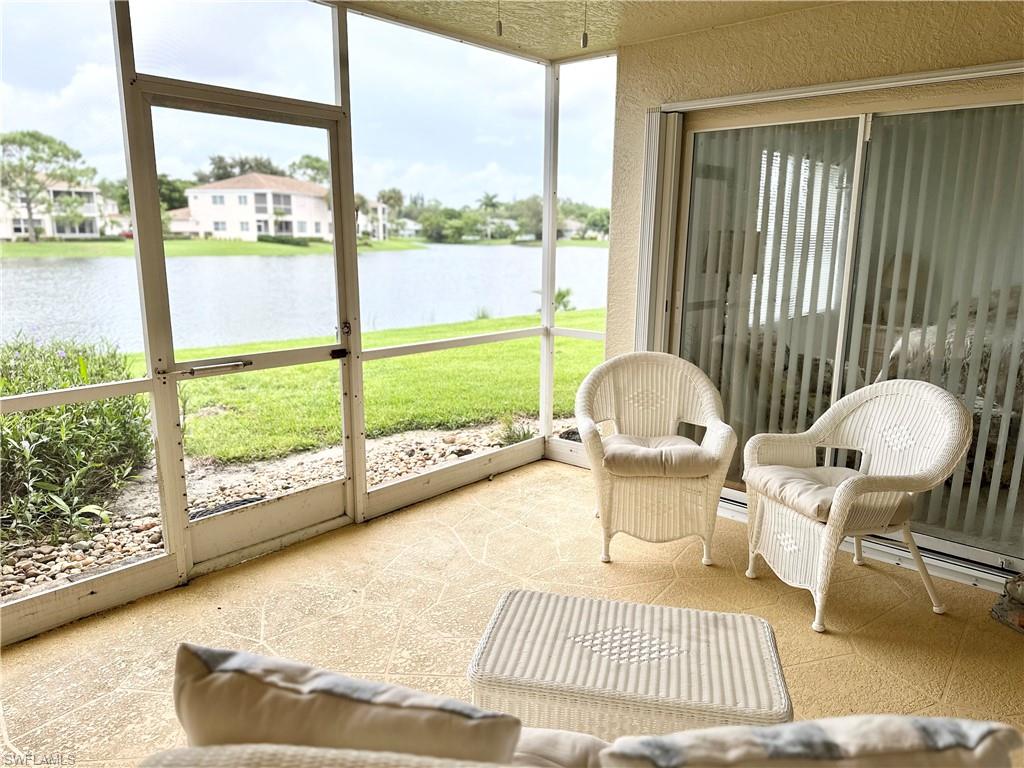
134 529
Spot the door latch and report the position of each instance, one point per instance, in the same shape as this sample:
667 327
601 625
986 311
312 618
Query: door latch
339 353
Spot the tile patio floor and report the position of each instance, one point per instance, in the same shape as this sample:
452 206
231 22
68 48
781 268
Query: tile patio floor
405 598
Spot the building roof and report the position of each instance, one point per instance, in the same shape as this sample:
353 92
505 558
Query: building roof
268 181
179 214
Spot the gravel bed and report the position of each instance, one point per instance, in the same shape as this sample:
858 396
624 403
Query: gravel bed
134 530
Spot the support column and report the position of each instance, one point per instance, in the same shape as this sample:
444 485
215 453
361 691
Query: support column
549 240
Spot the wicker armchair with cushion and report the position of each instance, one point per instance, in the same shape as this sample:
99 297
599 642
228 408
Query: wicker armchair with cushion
911 435
653 483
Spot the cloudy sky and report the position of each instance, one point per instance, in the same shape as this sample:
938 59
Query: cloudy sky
430 116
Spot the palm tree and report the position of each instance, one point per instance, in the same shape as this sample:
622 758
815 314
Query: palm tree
488 204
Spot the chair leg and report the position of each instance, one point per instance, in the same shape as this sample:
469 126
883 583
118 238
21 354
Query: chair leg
818 625
858 555
937 605
706 559
753 535
752 565
605 555
826 561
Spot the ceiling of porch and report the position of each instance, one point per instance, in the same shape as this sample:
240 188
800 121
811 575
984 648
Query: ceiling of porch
551 30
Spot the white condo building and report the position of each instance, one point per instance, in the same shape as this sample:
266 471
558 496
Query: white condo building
253 204
94 216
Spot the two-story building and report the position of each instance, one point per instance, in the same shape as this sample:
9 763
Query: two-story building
91 215
253 204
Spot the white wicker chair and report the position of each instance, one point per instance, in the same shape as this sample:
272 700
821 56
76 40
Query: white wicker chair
911 435
646 396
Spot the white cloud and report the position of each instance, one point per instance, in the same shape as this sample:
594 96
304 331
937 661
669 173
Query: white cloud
429 115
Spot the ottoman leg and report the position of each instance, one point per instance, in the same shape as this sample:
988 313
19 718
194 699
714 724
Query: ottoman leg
706 560
606 543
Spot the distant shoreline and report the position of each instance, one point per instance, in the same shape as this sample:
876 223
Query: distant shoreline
70 249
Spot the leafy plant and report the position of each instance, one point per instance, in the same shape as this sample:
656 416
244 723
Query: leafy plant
562 300
482 313
61 465
513 430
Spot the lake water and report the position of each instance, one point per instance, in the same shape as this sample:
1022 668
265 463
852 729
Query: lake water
218 300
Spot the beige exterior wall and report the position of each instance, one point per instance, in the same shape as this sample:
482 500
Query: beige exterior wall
844 41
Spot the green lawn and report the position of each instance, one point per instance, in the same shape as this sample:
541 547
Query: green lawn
69 249
84 250
265 414
535 243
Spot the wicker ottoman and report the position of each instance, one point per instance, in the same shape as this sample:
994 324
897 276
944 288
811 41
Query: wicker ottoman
612 668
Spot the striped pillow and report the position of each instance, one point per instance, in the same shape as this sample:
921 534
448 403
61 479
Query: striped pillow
862 741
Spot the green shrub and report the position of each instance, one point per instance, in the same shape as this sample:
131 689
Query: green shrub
59 466
283 239
513 430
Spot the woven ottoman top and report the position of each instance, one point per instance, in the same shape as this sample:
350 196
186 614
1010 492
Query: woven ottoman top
657 656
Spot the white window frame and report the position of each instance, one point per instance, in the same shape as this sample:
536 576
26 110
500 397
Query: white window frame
220 226
243 226
243 199
300 227
217 199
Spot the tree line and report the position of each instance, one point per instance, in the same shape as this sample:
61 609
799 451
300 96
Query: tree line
32 162
490 218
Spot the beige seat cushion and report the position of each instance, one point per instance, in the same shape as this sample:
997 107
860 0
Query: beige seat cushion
551 748
229 697
669 456
807 490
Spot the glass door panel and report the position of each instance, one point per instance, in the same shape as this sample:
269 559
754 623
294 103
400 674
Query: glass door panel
937 297
767 231
248 231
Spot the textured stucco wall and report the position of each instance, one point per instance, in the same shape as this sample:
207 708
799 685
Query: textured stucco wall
845 41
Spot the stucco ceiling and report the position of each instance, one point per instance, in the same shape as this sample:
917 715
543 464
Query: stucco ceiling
550 29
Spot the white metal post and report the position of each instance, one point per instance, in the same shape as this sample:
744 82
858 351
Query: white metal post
347 279
140 155
549 241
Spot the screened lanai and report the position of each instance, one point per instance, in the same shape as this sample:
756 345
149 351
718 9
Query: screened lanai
281 354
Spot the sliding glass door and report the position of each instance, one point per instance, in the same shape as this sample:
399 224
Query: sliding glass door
789 303
768 224
937 297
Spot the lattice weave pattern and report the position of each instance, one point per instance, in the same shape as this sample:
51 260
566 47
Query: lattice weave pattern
626 645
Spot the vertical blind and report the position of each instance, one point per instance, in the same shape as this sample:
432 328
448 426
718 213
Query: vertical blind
766 233
937 297
935 290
